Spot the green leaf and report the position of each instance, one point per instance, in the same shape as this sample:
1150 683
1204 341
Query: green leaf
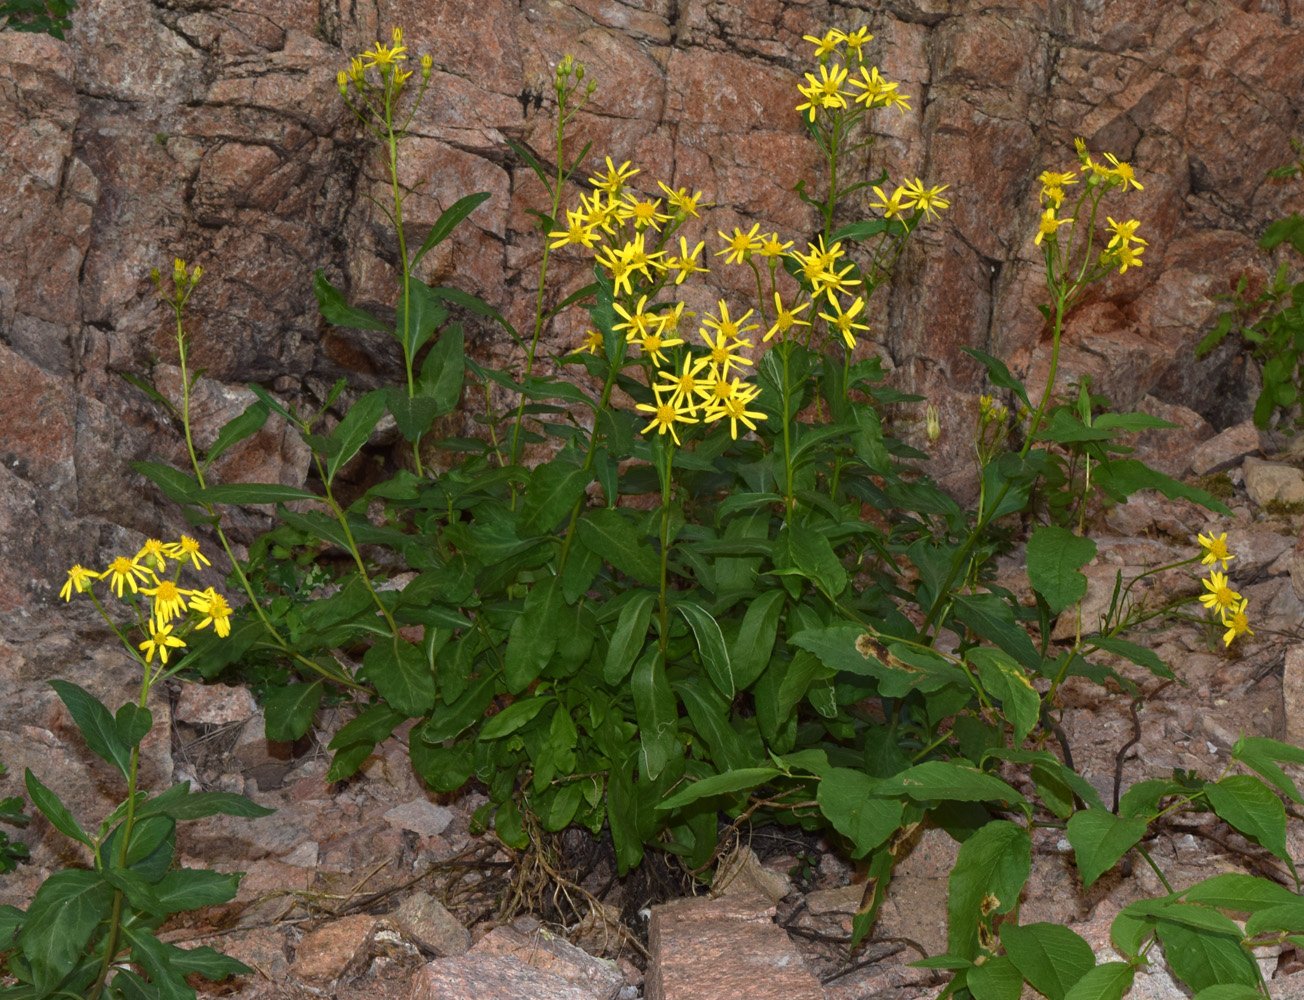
252 493
1051 957
417 320
513 717
744 779
709 714
710 644
1250 806
1245 893
249 423
995 979
1142 656
813 555
1055 555
132 723
413 415
848 799
96 724
1005 679
191 888
1201 959
1100 838
555 488
1107 981
1261 754
657 713
288 711
444 370
402 674
1000 374
330 301
612 533
628 639
63 914
180 803
371 725
354 431
177 486
447 222
1287 917
993 618
1228 991
207 962
54 810
988 876
1122 477
509 826
839 647
534 635
938 780
750 652
151 954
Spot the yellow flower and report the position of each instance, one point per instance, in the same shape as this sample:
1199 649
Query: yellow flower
898 100
725 352
873 87
1125 232
771 246
654 343
1215 550
842 321
1048 225
213 605
187 550
1125 255
730 328
645 213
666 413
384 57
740 245
1051 179
833 280
614 179
686 263
1123 171
125 571
856 40
592 342
686 385
1220 596
637 323
824 47
1238 624
79 580
577 231
342 80
927 200
682 200
153 551
635 253
169 600
892 207
785 319
160 641
733 407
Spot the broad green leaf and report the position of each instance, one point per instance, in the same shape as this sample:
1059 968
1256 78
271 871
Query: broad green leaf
1142 656
1250 806
709 714
710 644
988 876
371 725
180 803
444 769
1287 917
938 780
534 635
152 955
96 724
850 648
555 488
206 961
132 723
1051 957
417 319
995 979
1049 762
1107 981
744 779
1228 991
346 761
612 533
288 711
177 486
331 303
447 222
750 652
354 431
1201 959
1055 556
1121 477
657 713
1244 893
1005 679
1100 838
413 415
54 810
993 618
444 370
628 639
513 717
403 675
191 888
848 800
509 826
63 914
1261 754
813 554
1142 799
252 493
249 423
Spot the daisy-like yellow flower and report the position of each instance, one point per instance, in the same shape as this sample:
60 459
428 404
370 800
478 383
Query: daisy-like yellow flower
1125 255
826 46
636 324
187 550
898 100
1220 596
1048 225
772 247
614 180
785 319
895 206
682 200
732 329
844 323
1124 172
125 572
688 389
873 88
740 245
646 213
670 319
927 200
1215 550
666 413
592 343
686 263
654 343
830 86
725 353
160 641
577 232
734 409
215 609
637 256
153 554
1052 179
79 581
856 40
169 600
719 388
834 281
812 266
599 214
1237 623
1054 195
384 57
1124 232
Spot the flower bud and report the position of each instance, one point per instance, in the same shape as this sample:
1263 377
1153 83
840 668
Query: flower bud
579 71
154 275
398 36
178 267
933 423
196 274
426 63
342 79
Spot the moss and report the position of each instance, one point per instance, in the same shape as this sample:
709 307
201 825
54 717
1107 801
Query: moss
1284 508
1219 484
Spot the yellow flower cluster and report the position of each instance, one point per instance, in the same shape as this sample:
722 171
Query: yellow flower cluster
826 93
1120 251
386 60
1219 597
142 574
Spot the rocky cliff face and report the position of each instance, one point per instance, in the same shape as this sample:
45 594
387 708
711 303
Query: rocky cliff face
213 131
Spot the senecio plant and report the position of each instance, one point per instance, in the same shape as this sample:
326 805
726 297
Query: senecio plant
727 593
91 932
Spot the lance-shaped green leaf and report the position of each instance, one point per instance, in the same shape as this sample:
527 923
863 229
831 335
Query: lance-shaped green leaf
750 652
629 636
96 724
656 711
444 370
177 486
447 222
744 779
402 674
354 430
63 914
253 493
418 316
611 532
1005 679
710 644
534 635
330 300
249 423
555 488
938 780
